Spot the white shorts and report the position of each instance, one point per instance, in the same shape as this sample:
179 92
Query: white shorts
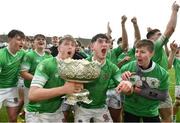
9 97
113 99
98 115
167 103
35 117
177 91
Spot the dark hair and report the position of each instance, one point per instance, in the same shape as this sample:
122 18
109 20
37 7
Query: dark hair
119 40
39 35
54 38
27 38
100 35
151 33
66 37
13 33
145 43
79 43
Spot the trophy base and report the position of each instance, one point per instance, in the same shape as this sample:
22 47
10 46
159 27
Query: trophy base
82 96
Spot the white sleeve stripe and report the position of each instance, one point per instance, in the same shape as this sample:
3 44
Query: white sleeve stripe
24 70
162 38
118 78
37 85
25 67
40 80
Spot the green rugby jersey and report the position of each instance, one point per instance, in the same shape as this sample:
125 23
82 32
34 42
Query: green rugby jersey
156 77
46 76
98 87
30 62
160 56
176 65
113 54
9 67
130 53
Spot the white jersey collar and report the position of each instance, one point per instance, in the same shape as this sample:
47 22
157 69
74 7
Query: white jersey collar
38 53
11 52
149 69
99 62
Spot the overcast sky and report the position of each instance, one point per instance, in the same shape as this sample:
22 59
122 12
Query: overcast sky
84 18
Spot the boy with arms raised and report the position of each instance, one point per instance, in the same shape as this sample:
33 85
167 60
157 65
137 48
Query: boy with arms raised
160 57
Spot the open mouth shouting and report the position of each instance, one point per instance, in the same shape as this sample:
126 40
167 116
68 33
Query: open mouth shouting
41 43
69 53
20 46
103 51
139 60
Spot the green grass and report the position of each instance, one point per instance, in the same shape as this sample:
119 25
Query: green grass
172 89
3 114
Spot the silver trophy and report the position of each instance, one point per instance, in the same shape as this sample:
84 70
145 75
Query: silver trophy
80 71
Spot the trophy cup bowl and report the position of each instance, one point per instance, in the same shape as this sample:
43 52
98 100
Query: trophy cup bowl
80 71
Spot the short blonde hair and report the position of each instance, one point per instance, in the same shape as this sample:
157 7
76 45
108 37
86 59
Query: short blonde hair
67 37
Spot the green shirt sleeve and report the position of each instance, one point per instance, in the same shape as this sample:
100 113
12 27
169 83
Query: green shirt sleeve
114 79
40 77
117 51
161 42
114 53
165 81
176 65
26 63
117 76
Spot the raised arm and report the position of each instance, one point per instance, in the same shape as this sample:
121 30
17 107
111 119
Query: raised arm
170 28
109 31
166 49
124 33
172 53
137 34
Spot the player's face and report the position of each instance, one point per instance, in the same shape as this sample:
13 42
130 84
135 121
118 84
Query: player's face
16 43
100 48
143 56
27 44
40 43
55 41
67 49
